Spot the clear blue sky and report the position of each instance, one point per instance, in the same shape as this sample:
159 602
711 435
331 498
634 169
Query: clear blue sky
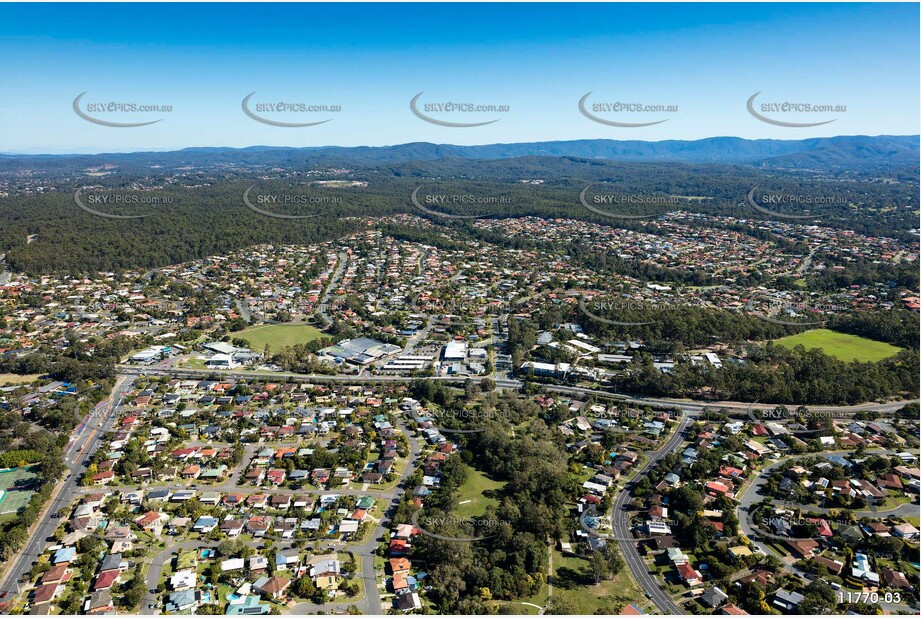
371 59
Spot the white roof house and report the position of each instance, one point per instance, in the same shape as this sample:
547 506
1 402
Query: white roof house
234 564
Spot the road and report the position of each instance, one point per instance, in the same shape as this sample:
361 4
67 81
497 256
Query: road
751 496
4 273
621 527
77 456
250 316
323 307
370 603
694 408
149 601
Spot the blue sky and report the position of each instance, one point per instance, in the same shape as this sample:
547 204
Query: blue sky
371 59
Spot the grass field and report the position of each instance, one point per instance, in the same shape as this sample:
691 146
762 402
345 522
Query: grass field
573 584
8 379
476 494
840 345
278 335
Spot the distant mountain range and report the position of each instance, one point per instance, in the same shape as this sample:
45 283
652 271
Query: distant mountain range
843 153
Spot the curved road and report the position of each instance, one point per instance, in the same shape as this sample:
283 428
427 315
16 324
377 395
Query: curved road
751 496
621 527
371 603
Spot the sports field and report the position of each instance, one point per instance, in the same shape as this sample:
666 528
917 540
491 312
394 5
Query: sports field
13 378
840 345
278 335
14 501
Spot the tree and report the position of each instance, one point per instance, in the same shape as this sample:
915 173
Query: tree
214 572
819 598
598 566
304 587
556 606
614 559
133 590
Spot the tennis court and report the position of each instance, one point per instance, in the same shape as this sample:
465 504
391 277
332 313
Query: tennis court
14 499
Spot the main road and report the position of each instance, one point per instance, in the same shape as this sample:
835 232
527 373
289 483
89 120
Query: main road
77 455
694 408
621 526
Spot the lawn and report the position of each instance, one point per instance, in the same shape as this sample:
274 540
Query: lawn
476 494
10 379
573 584
278 335
840 345
194 363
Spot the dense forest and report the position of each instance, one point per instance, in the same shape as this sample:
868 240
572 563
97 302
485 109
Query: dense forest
857 154
511 561
204 214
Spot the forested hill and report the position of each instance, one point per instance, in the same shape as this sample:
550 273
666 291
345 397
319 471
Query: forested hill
855 154
203 213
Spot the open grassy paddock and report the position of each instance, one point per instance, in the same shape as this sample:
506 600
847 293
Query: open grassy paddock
840 345
476 494
278 335
10 379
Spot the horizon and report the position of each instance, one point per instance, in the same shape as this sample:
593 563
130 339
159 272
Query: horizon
481 145
550 73
460 309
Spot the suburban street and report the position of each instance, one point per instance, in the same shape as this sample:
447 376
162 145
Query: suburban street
621 526
101 420
323 307
77 455
751 496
